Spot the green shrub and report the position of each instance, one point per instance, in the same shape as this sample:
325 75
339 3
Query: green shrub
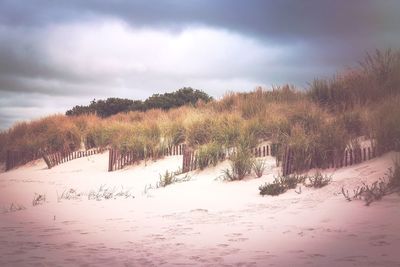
240 166
318 180
290 181
259 167
209 154
283 183
241 163
272 189
167 179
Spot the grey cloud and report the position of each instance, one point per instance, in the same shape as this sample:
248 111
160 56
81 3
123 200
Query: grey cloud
320 37
272 19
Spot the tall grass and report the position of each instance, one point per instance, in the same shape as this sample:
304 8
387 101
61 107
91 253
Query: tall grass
317 124
386 124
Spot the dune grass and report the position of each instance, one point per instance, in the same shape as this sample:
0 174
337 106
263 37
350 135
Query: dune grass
317 123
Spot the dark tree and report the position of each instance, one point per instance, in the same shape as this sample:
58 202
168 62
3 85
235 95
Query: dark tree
111 106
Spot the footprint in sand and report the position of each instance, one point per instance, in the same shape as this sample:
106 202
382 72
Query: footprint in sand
241 239
296 251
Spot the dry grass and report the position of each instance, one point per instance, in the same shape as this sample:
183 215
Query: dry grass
318 124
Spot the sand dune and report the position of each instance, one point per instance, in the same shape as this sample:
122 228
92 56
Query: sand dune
204 221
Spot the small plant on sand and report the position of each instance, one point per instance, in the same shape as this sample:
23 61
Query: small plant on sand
241 164
291 181
38 199
272 189
259 167
68 195
12 208
166 179
317 180
283 183
171 177
104 193
386 185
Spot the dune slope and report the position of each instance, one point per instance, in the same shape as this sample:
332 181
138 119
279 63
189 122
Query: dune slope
203 221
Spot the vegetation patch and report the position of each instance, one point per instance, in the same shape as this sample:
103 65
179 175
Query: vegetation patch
240 165
259 167
13 207
169 178
317 180
38 199
104 192
386 185
283 183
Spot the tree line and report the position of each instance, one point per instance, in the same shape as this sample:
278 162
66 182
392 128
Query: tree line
113 105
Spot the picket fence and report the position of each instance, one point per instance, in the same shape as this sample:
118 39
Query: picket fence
118 159
349 157
57 158
190 156
19 158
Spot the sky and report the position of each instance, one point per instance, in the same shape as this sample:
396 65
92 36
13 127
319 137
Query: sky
58 54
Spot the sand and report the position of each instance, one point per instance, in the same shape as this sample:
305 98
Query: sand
201 222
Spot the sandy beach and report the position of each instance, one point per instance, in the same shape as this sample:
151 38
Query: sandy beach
202 222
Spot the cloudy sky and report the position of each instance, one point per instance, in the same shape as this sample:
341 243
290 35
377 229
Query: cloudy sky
57 54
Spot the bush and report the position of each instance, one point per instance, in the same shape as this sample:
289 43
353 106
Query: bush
170 178
291 181
280 185
241 164
209 154
283 183
167 179
318 180
273 189
259 167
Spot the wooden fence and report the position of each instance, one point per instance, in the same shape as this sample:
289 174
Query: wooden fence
265 150
190 156
349 157
18 158
57 158
189 160
118 159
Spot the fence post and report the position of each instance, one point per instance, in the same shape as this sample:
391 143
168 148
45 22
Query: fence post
110 152
351 157
8 160
286 161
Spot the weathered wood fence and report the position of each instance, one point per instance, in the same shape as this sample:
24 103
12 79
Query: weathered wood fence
18 158
118 159
350 156
189 160
190 157
265 150
57 158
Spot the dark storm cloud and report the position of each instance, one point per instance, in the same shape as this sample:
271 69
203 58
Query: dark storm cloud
270 19
40 52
